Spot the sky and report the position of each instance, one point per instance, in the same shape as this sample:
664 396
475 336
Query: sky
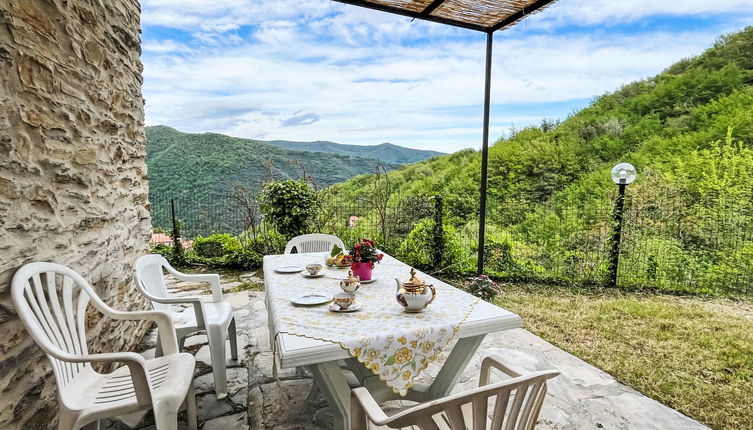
309 70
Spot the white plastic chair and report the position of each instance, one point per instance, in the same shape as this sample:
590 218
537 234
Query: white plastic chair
51 301
216 317
517 403
313 243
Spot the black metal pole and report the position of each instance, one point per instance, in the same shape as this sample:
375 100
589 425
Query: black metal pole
614 262
172 213
485 153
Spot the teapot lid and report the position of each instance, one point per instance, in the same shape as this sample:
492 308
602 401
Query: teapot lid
413 279
352 279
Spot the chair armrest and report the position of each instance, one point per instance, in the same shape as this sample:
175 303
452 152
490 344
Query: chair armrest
212 278
136 365
496 362
165 325
363 407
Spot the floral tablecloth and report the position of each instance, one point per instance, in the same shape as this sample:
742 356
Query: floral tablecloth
393 344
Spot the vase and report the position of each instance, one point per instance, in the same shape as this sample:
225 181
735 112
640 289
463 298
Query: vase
362 270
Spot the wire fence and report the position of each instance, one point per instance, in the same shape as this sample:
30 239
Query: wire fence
665 245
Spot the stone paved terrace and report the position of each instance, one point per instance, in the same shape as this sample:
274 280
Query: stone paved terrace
582 397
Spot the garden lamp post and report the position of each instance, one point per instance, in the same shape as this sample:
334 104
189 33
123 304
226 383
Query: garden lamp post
622 175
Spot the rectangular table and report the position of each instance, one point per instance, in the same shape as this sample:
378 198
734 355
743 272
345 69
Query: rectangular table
322 357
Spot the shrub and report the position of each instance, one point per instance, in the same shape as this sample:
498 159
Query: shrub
216 245
209 248
243 260
163 250
483 287
416 250
289 206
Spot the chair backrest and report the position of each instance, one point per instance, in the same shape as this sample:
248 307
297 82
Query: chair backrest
149 277
51 301
516 406
313 243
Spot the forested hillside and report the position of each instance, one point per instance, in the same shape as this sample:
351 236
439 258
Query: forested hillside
386 152
203 168
688 130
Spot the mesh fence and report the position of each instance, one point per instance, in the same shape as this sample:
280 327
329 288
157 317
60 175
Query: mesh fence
664 245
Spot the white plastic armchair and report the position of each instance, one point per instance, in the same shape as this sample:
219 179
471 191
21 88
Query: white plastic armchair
313 243
216 317
51 300
517 403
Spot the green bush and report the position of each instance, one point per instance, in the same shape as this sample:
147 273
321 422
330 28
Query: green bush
660 263
267 243
289 206
163 250
501 259
417 249
209 248
243 260
216 245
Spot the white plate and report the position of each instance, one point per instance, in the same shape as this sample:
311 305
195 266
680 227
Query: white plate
312 298
318 275
289 269
369 281
352 308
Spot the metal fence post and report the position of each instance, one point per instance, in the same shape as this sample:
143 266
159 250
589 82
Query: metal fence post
172 215
438 234
614 260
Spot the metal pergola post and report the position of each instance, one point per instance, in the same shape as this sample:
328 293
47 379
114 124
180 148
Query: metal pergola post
485 153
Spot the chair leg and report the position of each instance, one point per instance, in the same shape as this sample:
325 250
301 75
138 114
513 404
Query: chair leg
233 340
191 407
165 416
216 337
66 420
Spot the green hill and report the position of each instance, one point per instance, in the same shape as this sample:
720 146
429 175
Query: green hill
200 170
688 130
386 152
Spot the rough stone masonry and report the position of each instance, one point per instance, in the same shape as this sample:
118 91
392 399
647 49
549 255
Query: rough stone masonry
73 179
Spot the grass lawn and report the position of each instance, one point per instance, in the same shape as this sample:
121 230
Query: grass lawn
692 354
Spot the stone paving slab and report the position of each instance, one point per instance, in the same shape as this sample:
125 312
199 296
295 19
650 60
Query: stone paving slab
582 397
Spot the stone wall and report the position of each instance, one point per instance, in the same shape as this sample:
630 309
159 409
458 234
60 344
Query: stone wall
73 184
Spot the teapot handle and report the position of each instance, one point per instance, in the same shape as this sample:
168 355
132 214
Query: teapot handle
433 294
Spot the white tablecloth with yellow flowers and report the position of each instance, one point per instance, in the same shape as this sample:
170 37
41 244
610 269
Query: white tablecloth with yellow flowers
393 344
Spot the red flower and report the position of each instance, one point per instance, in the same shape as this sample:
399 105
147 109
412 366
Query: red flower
379 257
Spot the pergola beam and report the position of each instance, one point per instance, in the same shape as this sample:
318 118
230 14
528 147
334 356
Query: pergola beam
430 8
520 15
416 15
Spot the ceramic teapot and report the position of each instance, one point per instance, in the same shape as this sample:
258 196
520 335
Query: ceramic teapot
414 295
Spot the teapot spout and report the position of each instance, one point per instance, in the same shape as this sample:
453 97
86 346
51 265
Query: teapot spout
399 284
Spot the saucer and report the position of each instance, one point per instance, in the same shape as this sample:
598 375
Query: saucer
352 308
369 281
288 269
310 299
318 275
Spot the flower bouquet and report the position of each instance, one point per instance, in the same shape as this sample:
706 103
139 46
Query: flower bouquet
364 255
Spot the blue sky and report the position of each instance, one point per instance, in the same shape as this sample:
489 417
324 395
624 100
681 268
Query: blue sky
320 70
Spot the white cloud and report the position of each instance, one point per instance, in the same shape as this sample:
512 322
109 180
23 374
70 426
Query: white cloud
591 12
299 71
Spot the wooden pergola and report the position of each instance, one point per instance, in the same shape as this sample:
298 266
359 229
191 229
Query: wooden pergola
486 16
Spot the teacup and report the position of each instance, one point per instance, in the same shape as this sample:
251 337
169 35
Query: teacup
344 300
350 286
313 269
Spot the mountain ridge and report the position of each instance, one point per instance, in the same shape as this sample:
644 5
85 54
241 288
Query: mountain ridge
199 170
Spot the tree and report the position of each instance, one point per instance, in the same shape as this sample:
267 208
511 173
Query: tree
289 206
